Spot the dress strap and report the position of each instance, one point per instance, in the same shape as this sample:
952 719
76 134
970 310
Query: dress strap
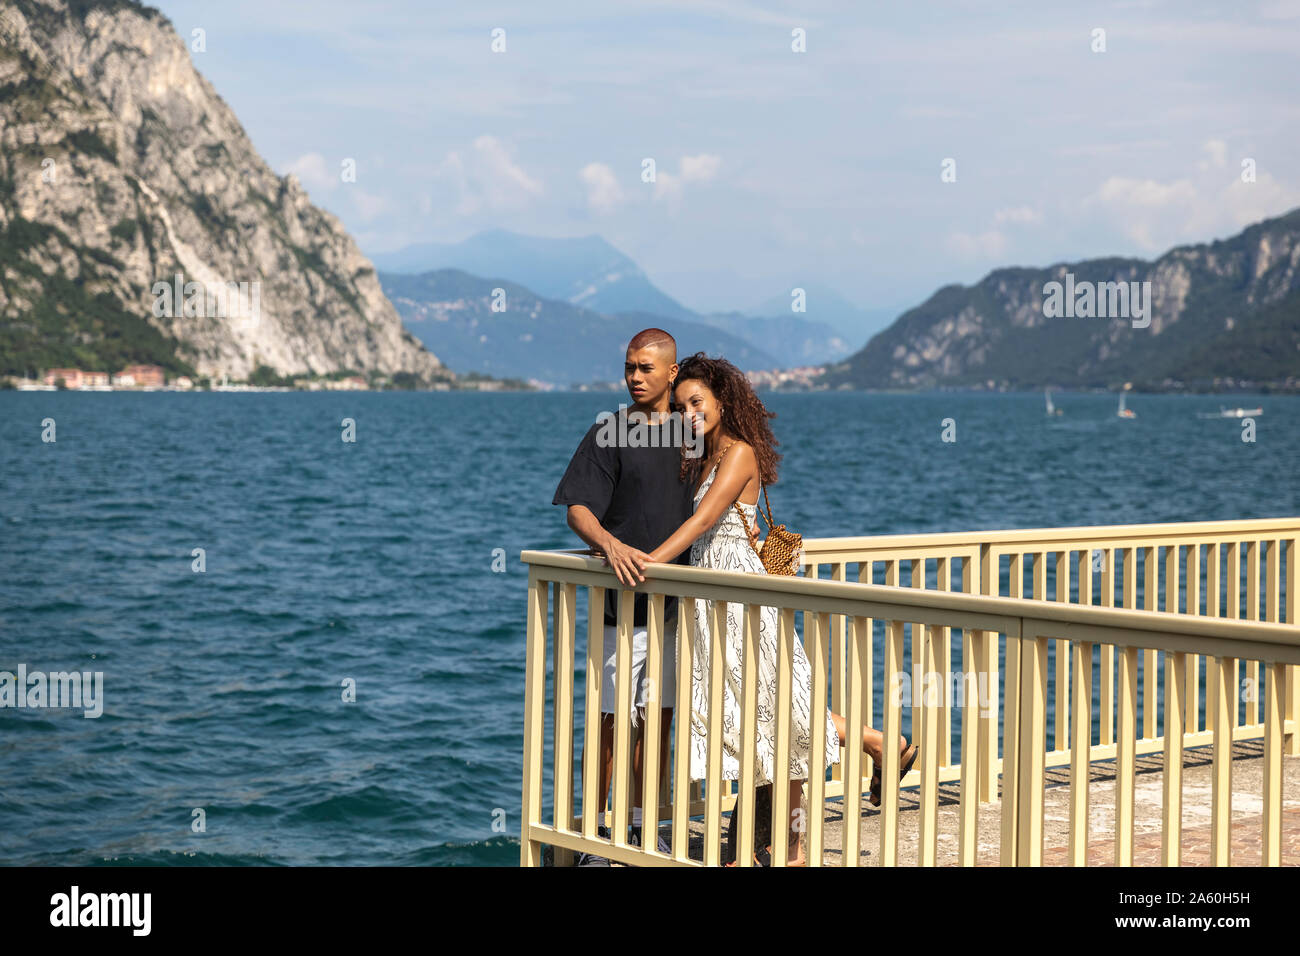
744 521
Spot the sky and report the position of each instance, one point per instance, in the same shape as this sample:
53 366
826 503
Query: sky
906 147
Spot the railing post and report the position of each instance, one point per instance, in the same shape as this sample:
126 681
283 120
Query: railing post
714 784
1125 752
928 735
839 627
973 701
817 625
1220 675
593 801
1061 686
1175 703
972 658
1252 614
859 660
943 655
651 737
1291 741
1106 724
781 738
621 786
566 604
1011 742
1271 845
1232 582
686 628
987 571
1150 668
746 798
1193 598
1081 752
891 731
530 851
1033 742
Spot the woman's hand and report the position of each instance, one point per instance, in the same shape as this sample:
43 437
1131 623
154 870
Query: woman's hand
625 561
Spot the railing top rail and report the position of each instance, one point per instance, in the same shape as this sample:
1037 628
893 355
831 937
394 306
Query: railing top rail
904 603
1282 526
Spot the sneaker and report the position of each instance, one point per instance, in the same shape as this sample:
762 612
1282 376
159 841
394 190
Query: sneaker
590 859
661 845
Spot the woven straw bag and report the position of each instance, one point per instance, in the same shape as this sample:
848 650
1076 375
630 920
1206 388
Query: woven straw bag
782 550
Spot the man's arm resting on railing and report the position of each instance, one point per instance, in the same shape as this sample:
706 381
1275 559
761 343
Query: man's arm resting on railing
626 561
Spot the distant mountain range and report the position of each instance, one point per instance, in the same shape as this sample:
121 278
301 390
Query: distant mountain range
824 306
1229 308
585 271
590 273
798 341
547 341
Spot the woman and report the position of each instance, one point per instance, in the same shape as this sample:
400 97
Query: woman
740 456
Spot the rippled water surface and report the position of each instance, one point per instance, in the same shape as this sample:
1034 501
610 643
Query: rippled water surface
373 561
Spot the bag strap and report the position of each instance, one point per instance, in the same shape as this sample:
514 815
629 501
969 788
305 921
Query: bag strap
744 521
770 523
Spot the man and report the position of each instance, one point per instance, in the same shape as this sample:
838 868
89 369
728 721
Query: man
624 502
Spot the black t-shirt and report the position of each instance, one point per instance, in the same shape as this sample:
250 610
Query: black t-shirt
634 493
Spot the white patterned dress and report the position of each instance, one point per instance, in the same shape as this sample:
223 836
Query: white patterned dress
726 547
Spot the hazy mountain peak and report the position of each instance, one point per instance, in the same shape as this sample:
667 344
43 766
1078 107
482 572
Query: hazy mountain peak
585 269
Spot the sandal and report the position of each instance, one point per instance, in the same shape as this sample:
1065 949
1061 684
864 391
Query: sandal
762 857
909 758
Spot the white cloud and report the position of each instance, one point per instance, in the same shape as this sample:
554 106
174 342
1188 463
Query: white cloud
667 186
1149 213
690 169
1157 215
313 172
490 179
500 174
603 190
1280 10
1146 193
699 169
1019 215
1217 151
1246 203
744 12
983 245
369 206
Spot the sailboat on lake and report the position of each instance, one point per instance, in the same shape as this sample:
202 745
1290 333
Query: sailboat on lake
1051 408
1124 410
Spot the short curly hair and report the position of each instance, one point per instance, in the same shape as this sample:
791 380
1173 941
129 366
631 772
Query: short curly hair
743 413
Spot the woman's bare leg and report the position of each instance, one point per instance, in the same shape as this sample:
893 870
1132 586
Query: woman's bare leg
795 846
872 740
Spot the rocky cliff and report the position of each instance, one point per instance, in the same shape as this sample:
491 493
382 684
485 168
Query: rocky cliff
137 222
1228 308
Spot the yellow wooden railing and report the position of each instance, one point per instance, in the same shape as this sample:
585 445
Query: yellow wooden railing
1009 645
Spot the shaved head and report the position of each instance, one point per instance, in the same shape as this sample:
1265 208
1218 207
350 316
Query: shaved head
656 339
649 370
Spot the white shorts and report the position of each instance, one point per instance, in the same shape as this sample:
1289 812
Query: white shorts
668 680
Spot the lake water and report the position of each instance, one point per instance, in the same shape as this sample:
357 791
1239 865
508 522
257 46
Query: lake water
372 561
